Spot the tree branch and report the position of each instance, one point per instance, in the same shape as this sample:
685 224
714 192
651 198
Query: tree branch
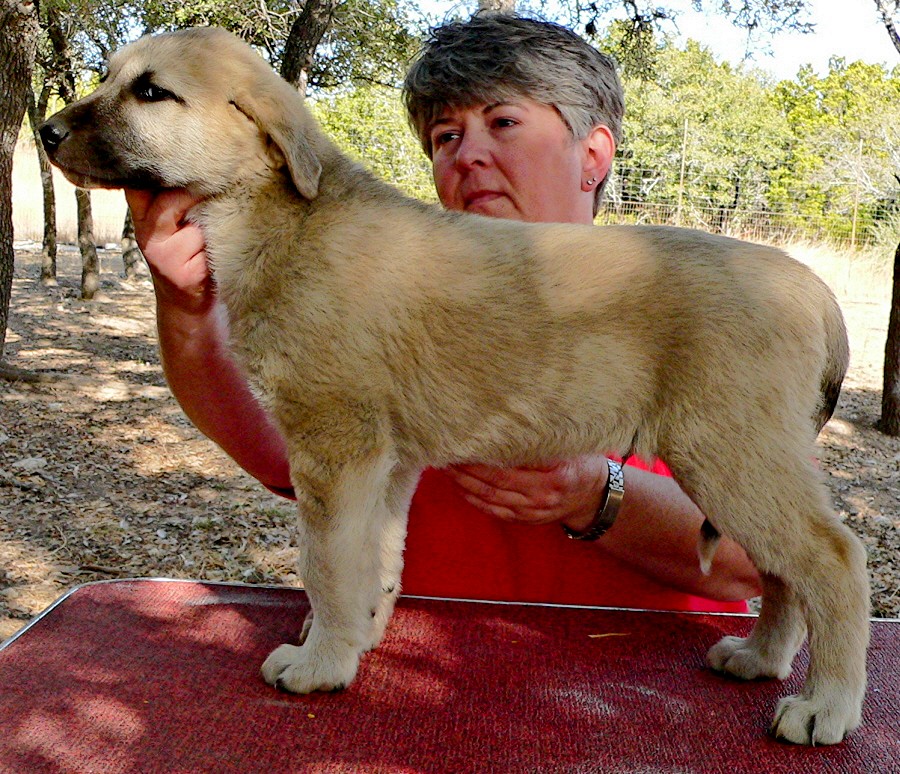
887 16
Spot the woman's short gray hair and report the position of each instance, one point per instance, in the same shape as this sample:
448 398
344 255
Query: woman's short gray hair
495 57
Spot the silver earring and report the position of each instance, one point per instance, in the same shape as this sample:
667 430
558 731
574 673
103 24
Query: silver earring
591 181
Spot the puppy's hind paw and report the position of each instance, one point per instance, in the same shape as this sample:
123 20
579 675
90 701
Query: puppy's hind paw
808 721
742 658
303 670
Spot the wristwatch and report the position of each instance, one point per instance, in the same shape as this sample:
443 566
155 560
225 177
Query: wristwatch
609 506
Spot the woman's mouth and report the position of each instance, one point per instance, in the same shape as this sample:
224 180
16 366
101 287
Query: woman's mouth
479 199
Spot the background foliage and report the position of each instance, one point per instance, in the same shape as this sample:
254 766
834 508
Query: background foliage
709 145
706 144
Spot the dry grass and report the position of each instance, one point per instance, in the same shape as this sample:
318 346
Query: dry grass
28 217
861 280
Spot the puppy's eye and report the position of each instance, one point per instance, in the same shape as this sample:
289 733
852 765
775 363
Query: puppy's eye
151 93
147 91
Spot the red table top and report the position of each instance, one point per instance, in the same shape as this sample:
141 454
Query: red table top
163 676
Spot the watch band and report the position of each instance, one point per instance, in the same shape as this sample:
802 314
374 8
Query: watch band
609 506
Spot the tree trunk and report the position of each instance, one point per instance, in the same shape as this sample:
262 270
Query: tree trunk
131 253
890 396
90 264
36 112
18 38
307 30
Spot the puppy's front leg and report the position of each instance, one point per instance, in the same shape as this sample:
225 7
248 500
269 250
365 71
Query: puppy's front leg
392 538
341 569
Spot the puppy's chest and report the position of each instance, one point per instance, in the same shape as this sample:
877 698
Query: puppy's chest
240 277
243 259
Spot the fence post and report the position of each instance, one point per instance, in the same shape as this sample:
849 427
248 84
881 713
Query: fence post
856 195
681 174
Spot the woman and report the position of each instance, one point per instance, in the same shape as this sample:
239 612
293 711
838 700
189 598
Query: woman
520 119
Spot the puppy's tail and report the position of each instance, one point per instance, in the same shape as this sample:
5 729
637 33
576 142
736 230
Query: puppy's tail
836 364
707 545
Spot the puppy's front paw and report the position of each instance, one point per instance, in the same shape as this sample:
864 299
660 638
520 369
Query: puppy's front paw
303 669
743 658
815 721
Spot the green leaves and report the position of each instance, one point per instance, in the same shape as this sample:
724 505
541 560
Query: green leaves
719 147
369 123
845 145
369 41
702 140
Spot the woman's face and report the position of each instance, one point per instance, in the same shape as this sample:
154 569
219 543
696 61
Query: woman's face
517 160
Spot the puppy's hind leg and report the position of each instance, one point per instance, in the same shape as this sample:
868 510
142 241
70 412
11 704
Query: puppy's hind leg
812 565
831 584
340 568
770 648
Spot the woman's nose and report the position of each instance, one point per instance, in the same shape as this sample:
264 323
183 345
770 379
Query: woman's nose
473 150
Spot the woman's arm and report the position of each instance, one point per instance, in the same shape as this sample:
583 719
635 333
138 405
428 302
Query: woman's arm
656 530
197 364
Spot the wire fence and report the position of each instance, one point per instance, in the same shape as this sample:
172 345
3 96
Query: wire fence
737 206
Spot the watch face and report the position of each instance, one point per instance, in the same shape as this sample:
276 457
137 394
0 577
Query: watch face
616 476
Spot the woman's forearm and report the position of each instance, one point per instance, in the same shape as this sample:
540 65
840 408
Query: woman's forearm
214 393
657 530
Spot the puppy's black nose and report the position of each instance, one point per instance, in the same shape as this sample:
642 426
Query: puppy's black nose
52 134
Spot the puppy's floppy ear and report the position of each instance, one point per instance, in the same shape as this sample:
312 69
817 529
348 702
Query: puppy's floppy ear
280 113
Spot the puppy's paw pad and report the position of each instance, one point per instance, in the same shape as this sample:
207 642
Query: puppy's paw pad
807 721
739 657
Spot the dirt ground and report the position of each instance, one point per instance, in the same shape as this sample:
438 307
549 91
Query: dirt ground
101 475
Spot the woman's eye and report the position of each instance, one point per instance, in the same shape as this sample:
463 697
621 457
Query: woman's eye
502 123
443 138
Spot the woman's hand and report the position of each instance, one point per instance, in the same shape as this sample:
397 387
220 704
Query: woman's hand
656 530
174 248
568 492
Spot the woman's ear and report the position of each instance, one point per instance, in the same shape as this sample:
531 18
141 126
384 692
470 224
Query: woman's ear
599 149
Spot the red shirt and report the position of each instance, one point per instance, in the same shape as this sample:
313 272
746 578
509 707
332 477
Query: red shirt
454 550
